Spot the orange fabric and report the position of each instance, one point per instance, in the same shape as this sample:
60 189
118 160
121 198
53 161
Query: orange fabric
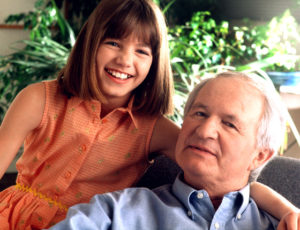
71 156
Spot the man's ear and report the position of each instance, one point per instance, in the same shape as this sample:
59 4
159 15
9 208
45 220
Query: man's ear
261 157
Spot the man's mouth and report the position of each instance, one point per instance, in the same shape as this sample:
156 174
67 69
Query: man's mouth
119 75
202 148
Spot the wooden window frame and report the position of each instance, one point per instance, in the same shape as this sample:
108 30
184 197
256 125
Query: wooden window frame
11 26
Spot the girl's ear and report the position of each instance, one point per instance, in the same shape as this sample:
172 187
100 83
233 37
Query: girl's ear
261 157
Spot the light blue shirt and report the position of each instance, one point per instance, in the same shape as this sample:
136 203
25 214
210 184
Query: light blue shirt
176 206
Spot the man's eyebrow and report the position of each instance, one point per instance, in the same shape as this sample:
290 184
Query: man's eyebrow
199 105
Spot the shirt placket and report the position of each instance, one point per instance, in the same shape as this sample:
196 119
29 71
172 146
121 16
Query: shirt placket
80 151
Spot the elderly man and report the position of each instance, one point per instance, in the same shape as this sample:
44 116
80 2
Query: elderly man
233 125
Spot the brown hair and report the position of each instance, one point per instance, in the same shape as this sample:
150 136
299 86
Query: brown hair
118 19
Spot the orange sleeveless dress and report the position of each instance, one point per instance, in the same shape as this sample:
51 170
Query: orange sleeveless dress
71 156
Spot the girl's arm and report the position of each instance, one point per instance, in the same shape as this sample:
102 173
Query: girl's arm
265 197
24 114
164 137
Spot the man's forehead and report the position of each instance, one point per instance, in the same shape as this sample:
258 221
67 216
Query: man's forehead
232 96
233 84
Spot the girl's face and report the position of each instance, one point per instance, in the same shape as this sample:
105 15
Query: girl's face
122 65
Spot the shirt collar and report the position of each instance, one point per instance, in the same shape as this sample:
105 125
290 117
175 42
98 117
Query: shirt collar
183 192
245 194
75 101
95 105
128 110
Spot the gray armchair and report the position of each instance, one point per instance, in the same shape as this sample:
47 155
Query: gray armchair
282 174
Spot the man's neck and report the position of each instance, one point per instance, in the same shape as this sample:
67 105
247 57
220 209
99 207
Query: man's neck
215 189
216 202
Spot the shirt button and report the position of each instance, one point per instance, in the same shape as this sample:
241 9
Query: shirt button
200 195
217 225
239 216
189 213
83 148
67 174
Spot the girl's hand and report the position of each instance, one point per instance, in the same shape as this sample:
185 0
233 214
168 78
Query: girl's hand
291 221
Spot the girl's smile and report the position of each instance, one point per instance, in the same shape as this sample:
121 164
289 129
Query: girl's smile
116 75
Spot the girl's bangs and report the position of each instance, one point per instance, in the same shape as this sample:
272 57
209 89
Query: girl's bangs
133 23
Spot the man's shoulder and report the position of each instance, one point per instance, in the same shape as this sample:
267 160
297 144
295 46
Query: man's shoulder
258 215
133 197
142 191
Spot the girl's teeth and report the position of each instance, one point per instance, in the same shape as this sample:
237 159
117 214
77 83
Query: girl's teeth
119 75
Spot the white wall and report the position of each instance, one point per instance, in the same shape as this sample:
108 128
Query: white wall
9 36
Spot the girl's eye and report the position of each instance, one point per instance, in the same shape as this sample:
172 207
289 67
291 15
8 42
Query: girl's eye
144 52
200 114
112 43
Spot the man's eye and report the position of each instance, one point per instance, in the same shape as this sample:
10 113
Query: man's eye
230 125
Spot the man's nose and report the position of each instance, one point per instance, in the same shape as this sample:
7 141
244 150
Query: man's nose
208 128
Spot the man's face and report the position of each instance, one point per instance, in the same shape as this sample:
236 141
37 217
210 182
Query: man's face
217 141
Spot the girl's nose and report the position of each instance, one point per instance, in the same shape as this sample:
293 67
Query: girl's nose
207 128
125 58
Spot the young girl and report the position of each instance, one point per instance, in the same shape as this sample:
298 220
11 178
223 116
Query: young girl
94 128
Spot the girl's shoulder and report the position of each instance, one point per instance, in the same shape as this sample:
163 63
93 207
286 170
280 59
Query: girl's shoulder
35 91
38 96
41 91
26 111
53 91
51 86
